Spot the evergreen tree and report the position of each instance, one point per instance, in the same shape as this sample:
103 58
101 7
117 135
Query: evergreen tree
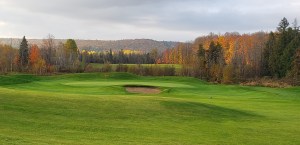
287 43
280 54
295 71
211 53
268 64
202 62
287 57
220 54
283 25
23 54
215 61
201 51
215 54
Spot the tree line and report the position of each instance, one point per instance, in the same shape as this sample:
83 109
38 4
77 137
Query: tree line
120 57
227 58
232 57
53 57
50 58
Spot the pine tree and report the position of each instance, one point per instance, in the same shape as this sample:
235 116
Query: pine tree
288 42
211 54
23 54
287 57
268 64
202 62
283 25
280 54
285 36
215 54
215 61
295 71
201 51
220 54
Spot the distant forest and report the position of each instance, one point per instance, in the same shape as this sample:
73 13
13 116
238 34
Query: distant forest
142 45
227 58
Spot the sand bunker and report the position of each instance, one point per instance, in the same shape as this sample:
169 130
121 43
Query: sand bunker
142 89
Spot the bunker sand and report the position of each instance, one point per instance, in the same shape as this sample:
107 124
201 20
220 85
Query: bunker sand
143 90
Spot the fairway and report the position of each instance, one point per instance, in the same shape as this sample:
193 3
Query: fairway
95 108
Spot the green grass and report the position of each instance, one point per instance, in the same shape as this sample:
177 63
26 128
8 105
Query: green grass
95 109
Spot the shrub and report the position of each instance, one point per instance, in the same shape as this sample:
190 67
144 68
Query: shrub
136 69
107 67
228 74
169 71
90 69
121 68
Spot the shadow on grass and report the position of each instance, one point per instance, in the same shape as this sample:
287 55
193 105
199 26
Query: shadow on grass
194 110
17 79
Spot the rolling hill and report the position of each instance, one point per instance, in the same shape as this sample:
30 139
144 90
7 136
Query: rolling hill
103 45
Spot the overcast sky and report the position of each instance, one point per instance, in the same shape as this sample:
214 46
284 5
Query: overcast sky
177 20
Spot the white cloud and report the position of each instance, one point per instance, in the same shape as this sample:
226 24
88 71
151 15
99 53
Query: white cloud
2 24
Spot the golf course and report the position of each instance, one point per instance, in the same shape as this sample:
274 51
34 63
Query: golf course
122 108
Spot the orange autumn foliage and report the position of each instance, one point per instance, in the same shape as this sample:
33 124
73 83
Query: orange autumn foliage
36 61
34 55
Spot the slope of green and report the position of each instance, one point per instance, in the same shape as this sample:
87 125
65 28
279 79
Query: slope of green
95 109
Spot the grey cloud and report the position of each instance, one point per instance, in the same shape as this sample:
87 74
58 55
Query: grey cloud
110 18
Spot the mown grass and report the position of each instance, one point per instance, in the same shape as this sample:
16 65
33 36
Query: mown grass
94 108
